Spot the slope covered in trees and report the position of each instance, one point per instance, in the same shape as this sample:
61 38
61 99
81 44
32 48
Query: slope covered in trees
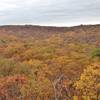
49 63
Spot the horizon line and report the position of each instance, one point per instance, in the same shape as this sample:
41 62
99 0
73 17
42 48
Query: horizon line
45 25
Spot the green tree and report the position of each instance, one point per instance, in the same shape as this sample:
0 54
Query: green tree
96 53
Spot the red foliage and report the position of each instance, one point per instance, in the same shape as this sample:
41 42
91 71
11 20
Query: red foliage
10 86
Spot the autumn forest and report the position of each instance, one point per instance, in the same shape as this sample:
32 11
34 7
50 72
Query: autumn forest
50 63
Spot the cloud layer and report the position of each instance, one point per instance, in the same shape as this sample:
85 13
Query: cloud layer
49 12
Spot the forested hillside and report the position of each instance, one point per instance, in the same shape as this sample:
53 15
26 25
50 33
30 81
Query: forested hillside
49 63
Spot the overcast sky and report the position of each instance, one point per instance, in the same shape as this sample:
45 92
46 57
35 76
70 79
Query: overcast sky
50 12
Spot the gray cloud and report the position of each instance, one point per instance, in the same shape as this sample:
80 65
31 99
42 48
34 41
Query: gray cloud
49 12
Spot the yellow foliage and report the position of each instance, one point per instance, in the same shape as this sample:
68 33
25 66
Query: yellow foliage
89 80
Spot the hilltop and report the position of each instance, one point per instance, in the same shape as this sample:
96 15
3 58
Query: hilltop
82 33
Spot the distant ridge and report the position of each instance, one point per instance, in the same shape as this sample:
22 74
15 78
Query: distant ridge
81 33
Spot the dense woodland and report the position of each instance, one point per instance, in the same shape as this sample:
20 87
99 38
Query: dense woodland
50 63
